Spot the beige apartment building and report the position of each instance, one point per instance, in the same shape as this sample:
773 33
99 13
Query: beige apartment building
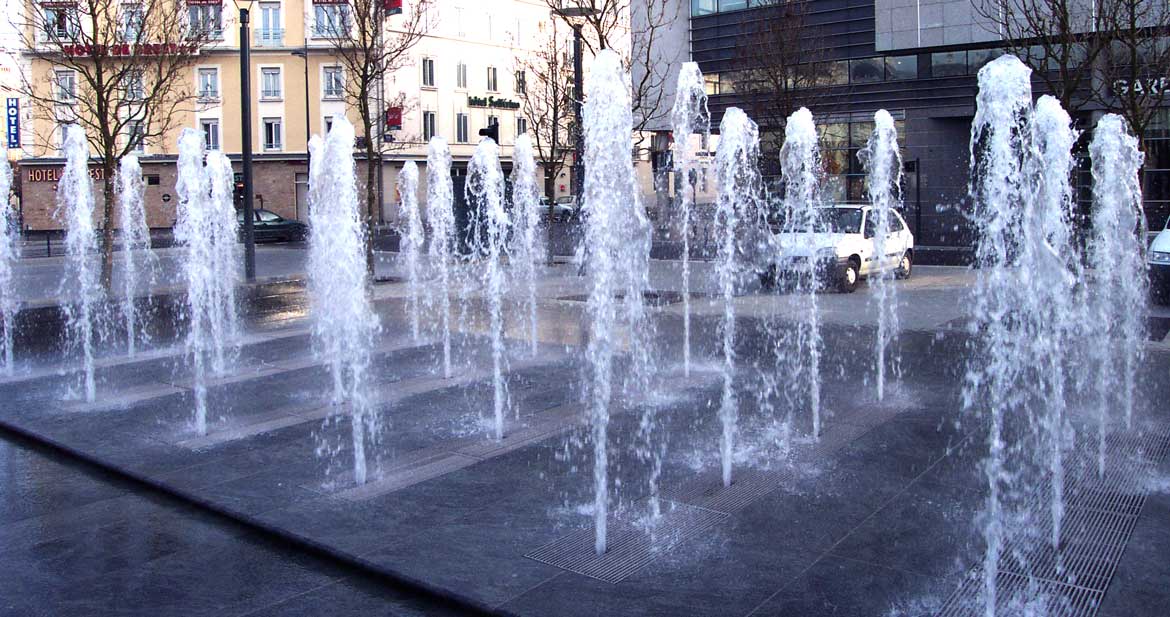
463 74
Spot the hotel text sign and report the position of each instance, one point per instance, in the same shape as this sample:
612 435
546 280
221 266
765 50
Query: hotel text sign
491 101
12 117
53 174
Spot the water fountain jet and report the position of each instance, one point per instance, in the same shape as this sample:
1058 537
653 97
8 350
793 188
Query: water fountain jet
139 267
688 116
527 249
9 304
441 216
412 241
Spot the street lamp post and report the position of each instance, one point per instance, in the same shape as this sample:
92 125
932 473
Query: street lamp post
574 15
246 135
304 53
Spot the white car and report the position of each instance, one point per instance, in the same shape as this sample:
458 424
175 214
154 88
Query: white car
1159 264
842 246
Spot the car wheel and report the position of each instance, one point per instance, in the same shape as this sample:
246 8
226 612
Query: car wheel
905 267
850 277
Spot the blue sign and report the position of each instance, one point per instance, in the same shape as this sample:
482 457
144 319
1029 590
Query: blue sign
12 114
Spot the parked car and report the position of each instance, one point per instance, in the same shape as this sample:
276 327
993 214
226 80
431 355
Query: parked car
563 208
841 244
268 226
1159 264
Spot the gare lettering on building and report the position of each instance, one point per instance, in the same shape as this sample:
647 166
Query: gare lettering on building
53 174
492 102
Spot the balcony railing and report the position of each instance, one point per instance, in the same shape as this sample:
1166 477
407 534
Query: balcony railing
270 37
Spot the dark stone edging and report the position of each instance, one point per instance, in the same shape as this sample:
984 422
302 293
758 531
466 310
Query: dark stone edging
399 581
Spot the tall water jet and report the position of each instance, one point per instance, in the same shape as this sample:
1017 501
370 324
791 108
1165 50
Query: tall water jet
80 291
527 247
800 165
9 304
206 229
344 323
441 217
739 183
485 189
689 115
1000 141
618 235
412 241
138 263
1120 284
1052 255
883 164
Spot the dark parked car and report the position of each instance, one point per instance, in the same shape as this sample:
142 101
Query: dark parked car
269 226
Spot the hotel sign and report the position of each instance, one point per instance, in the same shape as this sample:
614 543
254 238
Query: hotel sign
492 102
12 117
53 174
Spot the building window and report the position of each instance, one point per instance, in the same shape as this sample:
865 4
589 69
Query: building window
428 72
844 174
461 75
901 67
866 70
131 22
270 83
63 132
272 134
60 22
270 32
206 20
491 79
521 82
136 135
328 124
948 64
461 128
334 82
66 86
210 133
331 20
428 125
209 84
134 87
521 126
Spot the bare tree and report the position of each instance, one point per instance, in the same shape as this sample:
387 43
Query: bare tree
1133 79
122 71
783 70
369 44
635 30
1060 40
548 106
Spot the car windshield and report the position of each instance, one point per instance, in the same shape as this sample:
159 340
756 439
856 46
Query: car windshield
834 220
268 217
840 220
565 199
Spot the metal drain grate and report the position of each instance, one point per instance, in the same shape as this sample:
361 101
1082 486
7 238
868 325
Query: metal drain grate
747 485
1100 516
630 548
1015 591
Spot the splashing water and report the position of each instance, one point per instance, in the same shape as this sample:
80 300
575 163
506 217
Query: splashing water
1119 276
9 304
485 189
1057 266
441 216
1023 300
527 249
689 115
800 165
739 183
412 241
344 323
883 164
206 229
618 234
80 290
139 266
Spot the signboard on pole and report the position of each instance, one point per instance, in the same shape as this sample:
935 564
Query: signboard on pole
12 115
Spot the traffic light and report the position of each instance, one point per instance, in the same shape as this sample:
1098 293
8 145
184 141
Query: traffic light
492 131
